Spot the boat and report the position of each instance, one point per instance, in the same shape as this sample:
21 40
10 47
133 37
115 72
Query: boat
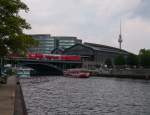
23 72
76 73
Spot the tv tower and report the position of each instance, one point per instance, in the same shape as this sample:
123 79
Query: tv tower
120 37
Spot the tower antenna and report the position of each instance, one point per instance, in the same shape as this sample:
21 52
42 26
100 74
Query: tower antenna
120 36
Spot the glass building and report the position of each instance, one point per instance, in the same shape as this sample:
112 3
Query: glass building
46 43
66 41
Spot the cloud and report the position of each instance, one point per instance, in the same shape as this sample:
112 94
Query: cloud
91 20
143 10
136 34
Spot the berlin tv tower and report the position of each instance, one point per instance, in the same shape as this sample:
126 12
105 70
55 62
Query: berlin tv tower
120 37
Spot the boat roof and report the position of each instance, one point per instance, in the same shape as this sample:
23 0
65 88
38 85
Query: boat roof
24 69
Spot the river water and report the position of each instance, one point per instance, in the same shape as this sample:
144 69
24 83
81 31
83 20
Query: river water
91 96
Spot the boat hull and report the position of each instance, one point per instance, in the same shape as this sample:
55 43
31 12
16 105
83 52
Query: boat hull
76 73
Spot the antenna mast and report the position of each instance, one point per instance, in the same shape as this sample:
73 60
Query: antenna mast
120 36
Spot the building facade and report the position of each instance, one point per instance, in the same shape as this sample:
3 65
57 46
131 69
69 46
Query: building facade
46 43
66 41
95 55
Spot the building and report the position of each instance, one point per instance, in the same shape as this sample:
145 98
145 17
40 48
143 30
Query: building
95 55
57 51
66 41
46 43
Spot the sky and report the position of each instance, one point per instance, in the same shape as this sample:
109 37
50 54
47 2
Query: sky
95 21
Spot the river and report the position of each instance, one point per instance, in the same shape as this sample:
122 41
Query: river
91 96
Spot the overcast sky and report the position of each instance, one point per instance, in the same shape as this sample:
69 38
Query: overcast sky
95 21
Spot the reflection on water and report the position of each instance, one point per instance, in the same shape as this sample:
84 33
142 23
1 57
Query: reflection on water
92 96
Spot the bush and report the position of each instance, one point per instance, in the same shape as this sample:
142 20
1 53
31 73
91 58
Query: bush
144 57
120 60
132 60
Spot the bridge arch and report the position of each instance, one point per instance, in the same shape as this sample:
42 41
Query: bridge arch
40 69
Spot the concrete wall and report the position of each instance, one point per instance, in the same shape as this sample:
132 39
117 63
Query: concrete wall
144 72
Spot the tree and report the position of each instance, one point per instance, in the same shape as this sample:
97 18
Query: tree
132 60
144 56
120 60
108 62
12 38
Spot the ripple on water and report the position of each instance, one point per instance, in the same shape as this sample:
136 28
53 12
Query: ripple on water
93 96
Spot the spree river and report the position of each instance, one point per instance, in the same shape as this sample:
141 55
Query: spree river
91 96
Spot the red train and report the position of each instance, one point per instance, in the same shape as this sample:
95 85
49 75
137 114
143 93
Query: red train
39 56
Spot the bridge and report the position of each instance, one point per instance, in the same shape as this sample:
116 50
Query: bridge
43 67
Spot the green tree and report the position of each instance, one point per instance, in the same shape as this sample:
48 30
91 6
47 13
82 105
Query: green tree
132 60
12 38
108 62
120 60
144 56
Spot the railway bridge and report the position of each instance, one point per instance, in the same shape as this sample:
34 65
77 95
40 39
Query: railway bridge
43 67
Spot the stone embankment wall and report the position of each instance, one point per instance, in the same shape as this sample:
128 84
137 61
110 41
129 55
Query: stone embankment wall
127 73
131 71
20 107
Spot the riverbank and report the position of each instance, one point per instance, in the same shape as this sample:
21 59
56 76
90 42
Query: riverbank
131 76
11 98
122 73
20 108
7 96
